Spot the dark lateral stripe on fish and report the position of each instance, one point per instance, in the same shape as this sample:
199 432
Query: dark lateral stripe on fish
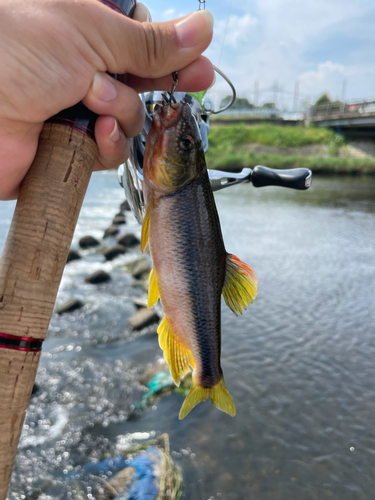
198 264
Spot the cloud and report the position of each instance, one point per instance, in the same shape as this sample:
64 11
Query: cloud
172 13
328 75
237 29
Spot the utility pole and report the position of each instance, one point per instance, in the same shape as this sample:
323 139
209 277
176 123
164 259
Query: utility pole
343 95
296 96
275 92
256 93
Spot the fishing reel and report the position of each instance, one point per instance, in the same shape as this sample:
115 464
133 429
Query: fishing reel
130 174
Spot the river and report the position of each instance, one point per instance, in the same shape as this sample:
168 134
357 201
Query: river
299 363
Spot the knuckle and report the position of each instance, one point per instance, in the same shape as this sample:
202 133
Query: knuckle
154 43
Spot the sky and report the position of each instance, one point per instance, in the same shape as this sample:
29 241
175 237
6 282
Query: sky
323 45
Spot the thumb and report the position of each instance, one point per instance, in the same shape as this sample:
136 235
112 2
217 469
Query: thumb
152 49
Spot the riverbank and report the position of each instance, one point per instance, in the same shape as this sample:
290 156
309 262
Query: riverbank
236 146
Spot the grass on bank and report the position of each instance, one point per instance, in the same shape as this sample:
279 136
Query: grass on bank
228 149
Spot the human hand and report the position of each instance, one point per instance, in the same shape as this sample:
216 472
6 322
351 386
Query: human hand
55 53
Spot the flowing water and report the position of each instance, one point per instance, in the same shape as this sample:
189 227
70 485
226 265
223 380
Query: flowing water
299 363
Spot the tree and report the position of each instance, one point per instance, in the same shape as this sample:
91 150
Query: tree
268 105
323 99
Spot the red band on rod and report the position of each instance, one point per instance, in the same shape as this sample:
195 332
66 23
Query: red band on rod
20 343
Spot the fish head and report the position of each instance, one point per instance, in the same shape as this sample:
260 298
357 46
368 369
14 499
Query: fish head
174 153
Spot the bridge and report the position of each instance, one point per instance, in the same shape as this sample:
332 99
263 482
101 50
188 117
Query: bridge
354 120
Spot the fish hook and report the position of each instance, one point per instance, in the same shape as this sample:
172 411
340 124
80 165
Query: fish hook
168 96
174 85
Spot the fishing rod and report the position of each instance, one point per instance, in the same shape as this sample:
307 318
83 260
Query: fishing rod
35 255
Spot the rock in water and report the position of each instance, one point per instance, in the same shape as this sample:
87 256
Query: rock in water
141 270
119 219
125 206
111 231
88 242
73 255
128 240
140 302
97 277
112 252
142 318
70 306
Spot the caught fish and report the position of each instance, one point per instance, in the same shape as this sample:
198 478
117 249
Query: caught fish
191 268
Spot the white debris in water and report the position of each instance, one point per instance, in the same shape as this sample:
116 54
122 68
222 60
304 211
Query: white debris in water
60 418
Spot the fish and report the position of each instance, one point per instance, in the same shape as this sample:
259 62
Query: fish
191 267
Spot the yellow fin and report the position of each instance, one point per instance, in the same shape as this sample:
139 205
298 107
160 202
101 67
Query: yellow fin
153 290
222 399
240 284
219 396
145 229
195 396
178 357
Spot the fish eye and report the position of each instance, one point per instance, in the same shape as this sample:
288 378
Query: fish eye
186 142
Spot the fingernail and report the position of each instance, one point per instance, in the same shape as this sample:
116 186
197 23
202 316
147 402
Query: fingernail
213 82
195 28
115 134
149 18
102 87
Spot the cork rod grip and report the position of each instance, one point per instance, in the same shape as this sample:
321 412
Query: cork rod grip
31 268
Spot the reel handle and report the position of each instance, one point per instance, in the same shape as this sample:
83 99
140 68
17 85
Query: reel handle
295 178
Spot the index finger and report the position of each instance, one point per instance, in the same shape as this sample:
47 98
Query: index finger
199 75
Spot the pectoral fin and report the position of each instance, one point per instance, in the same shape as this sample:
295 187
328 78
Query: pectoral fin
240 284
153 290
178 357
146 229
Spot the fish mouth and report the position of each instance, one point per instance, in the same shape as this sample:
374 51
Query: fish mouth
166 116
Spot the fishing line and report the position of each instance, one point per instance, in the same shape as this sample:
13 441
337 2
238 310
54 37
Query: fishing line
225 33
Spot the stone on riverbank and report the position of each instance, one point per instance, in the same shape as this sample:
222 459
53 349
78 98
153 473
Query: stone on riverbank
142 318
97 277
114 251
88 242
70 306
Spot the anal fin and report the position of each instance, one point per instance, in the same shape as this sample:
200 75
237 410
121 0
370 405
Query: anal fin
153 290
178 357
240 284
